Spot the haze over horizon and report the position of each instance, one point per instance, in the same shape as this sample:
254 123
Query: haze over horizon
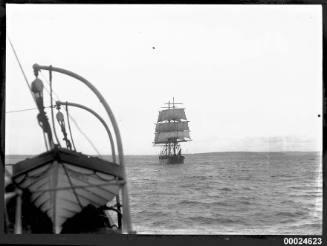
246 85
200 153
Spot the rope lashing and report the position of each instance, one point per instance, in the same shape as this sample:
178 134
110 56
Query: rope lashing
51 104
37 89
44 123
38 102
70 131
61 121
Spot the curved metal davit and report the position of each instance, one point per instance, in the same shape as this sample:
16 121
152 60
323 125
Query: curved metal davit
127 227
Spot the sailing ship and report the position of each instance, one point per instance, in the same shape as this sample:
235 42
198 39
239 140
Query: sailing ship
63 190
171 129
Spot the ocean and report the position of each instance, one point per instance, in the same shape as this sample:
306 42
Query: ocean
243 193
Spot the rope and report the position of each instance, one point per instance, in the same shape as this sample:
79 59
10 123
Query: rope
53 126
72 118
87 138
53 92
52 118
21 68
72 185
56 95
22 110
45 141
70 131
61 122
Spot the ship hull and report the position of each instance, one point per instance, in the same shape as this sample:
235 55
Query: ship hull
62 183
172 159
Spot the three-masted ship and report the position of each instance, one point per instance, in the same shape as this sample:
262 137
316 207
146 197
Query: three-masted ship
171 129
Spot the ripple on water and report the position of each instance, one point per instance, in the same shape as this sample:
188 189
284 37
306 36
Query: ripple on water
213 221
237 193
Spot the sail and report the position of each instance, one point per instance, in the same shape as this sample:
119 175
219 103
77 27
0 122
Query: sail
163 137
172 114
172 126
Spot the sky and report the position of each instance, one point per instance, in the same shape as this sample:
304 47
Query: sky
249 76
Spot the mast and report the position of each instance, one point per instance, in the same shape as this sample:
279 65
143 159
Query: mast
171 127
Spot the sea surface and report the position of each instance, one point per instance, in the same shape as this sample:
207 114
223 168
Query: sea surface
242 193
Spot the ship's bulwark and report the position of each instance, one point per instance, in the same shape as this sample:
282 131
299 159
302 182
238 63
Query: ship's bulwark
227 193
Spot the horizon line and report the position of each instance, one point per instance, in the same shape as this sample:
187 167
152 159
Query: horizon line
211 152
